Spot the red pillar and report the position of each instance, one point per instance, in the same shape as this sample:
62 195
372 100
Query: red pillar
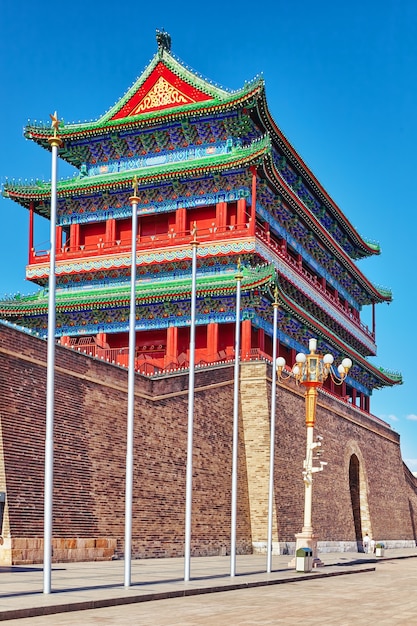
212 341
110 237
261 339
74 237
241 213
221 216
101 340
171 354
180 220
354 394
246 342
253 207
58 238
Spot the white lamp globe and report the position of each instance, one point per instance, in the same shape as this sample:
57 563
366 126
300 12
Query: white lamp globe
280 362
341 370
347 363
295 370
300 358
328 359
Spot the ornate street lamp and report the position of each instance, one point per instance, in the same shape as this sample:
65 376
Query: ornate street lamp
311 370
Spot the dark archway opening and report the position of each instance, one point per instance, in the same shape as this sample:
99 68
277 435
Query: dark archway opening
354 486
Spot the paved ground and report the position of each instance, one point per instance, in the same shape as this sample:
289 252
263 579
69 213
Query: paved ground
380 591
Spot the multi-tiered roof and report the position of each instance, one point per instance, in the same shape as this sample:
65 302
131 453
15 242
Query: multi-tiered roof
193 145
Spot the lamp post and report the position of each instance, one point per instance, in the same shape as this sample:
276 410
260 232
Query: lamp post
311 370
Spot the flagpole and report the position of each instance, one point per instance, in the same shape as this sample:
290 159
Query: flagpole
235 443
131 393
189 469
55 142
272 435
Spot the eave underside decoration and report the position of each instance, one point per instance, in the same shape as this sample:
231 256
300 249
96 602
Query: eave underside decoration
209 283
335 326
313 239
117 149
73 189
328 221
309 190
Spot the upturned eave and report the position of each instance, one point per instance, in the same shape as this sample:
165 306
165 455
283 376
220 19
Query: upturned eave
376 294
363 247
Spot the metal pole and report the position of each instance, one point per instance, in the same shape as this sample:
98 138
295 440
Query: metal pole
308 498
272 438
131 394
55 142
189 470
311 401
235 443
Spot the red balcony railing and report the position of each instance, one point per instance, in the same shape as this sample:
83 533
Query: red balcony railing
147 242
313 280
181 239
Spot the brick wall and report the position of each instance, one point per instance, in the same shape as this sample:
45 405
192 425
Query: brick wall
90 459
90 453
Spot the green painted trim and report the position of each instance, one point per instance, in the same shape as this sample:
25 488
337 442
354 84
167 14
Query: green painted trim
146 291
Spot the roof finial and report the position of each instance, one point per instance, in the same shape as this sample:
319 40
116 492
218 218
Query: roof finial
163 40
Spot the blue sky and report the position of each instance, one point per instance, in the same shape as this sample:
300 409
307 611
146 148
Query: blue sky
341 81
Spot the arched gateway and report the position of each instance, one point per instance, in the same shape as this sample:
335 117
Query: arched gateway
359 496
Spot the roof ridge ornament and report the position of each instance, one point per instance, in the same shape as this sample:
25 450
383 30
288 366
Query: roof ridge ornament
163 40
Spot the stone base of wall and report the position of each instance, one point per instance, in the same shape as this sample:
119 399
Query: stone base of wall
398 544
288 547
260 547
29 550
